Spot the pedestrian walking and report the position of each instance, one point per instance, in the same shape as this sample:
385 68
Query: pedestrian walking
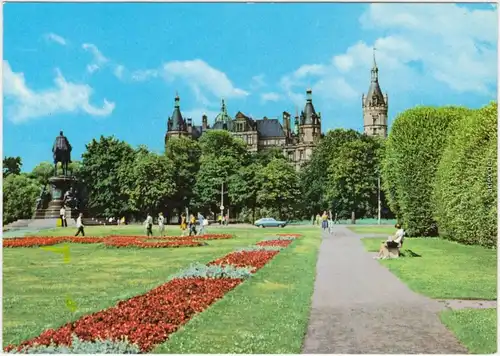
183 224
324 221
161 224
79 225
330 226
62 214
192 225
149 225
201 220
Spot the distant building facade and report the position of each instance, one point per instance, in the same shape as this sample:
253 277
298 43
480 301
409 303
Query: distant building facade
296 138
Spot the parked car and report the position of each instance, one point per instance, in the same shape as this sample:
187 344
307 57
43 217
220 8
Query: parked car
270 222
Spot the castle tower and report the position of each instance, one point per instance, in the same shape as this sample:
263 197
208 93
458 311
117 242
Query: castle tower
176 125
310 122
375 106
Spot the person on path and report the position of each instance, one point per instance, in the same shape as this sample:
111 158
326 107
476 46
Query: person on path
324 221
62 214
220 219
330 225
183 224
312 220
226 219
318 219
201 230
79 225
395 241
149 225
192 225
161 224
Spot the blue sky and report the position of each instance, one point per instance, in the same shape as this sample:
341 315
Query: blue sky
114 69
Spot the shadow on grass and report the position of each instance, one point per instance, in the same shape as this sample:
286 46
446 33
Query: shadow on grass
409 253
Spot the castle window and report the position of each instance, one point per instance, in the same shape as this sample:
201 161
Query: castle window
301 155
250 140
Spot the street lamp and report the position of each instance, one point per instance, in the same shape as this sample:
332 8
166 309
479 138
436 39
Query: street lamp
379 201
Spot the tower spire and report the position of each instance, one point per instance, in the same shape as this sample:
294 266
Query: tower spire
374 67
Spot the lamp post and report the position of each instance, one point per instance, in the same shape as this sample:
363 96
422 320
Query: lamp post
379 201
222 201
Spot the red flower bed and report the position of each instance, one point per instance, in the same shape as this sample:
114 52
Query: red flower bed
202 237
145 320
35 241
142 242
277 243
256 259
290 235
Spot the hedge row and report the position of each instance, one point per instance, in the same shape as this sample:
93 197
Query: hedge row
440 172
465 195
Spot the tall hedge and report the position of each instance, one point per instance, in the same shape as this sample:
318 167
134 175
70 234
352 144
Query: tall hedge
413 151
466 181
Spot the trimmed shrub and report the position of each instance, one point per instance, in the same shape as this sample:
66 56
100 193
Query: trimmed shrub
198 270
465 194
413 151
83 347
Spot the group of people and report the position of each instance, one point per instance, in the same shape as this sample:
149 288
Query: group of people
79 222
325 220
192 225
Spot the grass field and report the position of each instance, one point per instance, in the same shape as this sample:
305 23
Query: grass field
447 270
37 283
475 328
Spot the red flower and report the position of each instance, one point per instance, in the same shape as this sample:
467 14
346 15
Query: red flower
277 243
146 320
256 259
290 235
141 242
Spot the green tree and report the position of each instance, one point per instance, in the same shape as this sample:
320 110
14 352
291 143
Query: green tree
42 172
184 153
279 188
265 156
100 172
465 193
12 165
222 143
243 187
149 182
352 178
19 197
314 174
413 151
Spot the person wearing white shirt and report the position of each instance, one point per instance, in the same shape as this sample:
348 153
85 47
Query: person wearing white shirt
149 225
79 225
62 214
395 241
161 224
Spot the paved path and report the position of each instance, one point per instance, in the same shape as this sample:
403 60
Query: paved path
360 307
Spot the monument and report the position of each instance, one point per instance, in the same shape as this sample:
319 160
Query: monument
62 190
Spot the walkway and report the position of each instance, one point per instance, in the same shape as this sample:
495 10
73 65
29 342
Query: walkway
360 307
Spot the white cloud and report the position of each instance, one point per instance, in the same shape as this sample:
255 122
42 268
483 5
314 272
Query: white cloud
119 71
422 45
98 60
52 37
24 103
258 81
271 96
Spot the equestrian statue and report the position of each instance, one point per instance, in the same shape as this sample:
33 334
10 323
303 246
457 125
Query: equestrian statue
62 153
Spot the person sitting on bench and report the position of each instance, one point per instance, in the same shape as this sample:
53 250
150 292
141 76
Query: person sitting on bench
395 241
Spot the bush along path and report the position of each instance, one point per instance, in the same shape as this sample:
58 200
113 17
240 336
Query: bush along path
140 323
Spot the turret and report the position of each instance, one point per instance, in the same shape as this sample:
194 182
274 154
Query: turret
176 125
310 122
204 122
375 106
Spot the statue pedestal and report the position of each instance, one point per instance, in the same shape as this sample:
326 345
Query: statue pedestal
58 187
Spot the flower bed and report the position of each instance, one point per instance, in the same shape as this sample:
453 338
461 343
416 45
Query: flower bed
178 238
145 320
256 259
142 242
36 241
279 243
290 235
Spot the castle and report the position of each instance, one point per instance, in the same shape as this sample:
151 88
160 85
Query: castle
298 140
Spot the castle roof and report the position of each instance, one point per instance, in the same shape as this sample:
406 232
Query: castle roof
178 123
374 97
308 113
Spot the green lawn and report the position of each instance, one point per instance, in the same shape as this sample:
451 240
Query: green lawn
475 328
37 283
381 229
266 315
446 269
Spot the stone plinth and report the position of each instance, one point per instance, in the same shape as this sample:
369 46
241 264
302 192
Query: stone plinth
58 187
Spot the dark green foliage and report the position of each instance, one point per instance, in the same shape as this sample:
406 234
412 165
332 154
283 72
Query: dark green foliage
42 172
243 187
413 151
184 153
11 165
100 171
466 181
222 143
352 178
314 175
19 197
279 188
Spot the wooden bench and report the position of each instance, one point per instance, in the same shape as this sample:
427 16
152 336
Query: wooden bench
394 249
